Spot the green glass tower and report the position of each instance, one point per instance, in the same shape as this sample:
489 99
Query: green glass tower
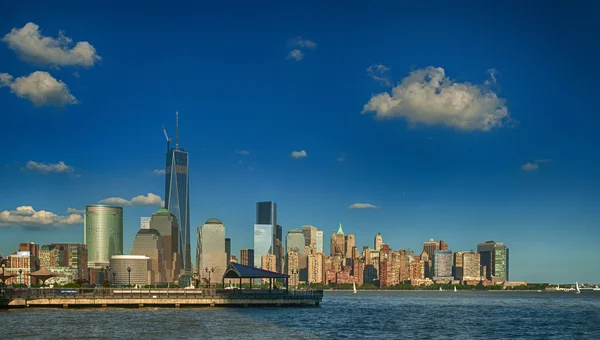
103 233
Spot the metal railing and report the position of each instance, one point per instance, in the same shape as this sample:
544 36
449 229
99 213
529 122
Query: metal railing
155 293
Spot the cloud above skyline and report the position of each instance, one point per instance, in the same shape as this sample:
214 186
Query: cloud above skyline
299 154
427 96
379 73
32 47
297 46
140 200
159 171
242 152
59 167
295 54
535 165
40 88
27 216
362 206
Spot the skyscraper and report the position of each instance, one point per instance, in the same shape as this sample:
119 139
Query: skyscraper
264 230
145 222
349 243
211 250
149 242
177 197
165 223
310 236
338 243
279 249
247 257
494 256
320 241
442 265
378 242
228 249
103 233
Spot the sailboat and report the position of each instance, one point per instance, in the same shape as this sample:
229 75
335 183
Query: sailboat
354 287
577 287
441 290
455 288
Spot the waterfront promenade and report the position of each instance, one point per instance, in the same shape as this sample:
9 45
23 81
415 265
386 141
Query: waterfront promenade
173 298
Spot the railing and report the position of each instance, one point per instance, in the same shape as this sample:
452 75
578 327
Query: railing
155 293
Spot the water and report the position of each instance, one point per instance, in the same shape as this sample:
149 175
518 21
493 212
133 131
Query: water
376 315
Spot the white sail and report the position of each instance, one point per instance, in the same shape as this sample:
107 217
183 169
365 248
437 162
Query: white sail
354 287
577 287
455 288
441 289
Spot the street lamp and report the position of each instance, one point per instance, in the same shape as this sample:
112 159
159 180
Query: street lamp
3 278
129 271
212 270
20 276
114 279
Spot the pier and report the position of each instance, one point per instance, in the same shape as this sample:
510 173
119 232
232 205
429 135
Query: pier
170 298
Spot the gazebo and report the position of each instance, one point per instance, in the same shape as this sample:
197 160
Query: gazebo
43 274
239 271
7 275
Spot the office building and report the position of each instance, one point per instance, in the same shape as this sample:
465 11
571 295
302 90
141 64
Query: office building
457 268
130 269
228 250
177 198
443 245
315 267
265 230
165 223
103 233
349 243
53 256
338 243
247 257
268 262
494 256
31 247
442 265
310 236
279 249
430 247
470 266
320 243
295 241
75 257
145 222
23 261
149 242
211 251
378 242
292 268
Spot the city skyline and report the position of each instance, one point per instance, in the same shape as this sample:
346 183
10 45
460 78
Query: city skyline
312 119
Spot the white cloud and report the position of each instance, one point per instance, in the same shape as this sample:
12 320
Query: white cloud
362 206
150 199
296 54
26 216
535 165
159 171
40 88
299 154
75 211
341 158
304 43
429 97
46 168
32 47
379 73
242 152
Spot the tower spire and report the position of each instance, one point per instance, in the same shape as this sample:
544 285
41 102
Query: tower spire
177 130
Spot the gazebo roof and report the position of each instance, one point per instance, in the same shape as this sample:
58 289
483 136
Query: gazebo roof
7 275
239 271
43 274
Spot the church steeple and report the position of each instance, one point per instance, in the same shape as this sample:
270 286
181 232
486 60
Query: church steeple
340 231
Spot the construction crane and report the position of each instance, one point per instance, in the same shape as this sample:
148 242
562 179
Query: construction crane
167 137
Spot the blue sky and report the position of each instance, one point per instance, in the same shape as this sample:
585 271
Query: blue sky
488 129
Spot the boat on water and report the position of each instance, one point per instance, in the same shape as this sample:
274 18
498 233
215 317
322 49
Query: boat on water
441 290
354 287
455 288
577 288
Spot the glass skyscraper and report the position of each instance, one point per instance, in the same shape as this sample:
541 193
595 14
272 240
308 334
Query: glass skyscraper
494 256
102 233
177 200
265 230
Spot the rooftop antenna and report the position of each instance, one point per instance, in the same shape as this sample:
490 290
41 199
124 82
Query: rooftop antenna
167 137
177 130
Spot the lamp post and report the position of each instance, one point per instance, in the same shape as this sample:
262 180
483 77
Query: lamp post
211 270
20 276
114 279
295 276
3 278
129 272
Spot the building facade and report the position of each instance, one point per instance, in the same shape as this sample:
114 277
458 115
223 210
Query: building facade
103 233
442 264
338 243
378 242
310 236
138 273
494 256
470 267
320 243
149 243
145 222
165 223
247 257
212 255
265 230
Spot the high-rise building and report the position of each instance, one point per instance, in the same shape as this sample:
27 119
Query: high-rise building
103 233
295 241
430 247
349 243
177 198
267 262
279 249
378 242
443 245
228 250
247 257
338 243
457 268
470 267
145 222
130 269
494 256
265 230
292 268
31 247
26 263
320 241
310 236
442 265
149 242
75 258
417 269
165 223
211 250
315 268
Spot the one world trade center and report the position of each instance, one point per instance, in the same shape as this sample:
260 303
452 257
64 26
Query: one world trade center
177 196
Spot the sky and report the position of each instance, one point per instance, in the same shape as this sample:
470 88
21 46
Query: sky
466 123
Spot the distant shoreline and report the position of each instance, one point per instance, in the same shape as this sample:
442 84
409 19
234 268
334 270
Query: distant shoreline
438 291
